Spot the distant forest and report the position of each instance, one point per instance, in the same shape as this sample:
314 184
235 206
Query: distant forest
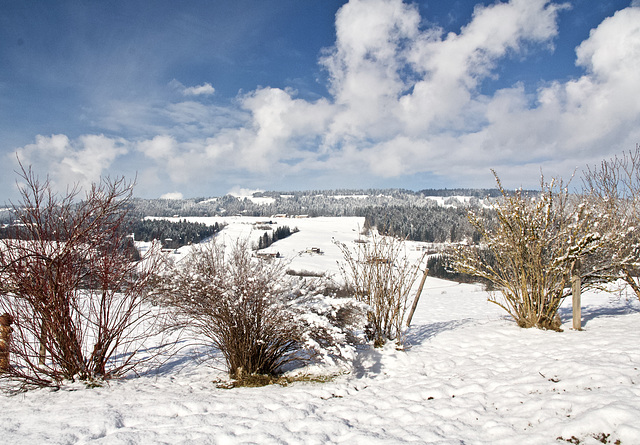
431 215
281 232
432 224
172 234
343 202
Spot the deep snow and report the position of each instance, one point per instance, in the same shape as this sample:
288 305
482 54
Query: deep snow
468 375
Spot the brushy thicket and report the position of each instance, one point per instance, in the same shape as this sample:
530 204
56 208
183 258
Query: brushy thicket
259 318
379 274
72 288
613 189
535 243
541 243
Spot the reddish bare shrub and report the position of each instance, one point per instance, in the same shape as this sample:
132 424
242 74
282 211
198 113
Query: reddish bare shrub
71 285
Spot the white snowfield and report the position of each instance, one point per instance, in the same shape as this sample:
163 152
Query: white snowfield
469 375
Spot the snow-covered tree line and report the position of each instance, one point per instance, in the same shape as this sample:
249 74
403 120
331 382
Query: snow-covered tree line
432 224
430 215
311 203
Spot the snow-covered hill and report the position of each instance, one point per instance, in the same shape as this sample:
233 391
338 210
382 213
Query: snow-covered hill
314 203
467 376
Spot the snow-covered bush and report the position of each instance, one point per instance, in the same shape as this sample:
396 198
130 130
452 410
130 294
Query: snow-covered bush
333 321
257 316
534 244
380 274
612 189
71 286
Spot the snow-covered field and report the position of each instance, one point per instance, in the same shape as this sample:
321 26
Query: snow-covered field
468 376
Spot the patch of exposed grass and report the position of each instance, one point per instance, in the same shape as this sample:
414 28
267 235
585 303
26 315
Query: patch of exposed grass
259 380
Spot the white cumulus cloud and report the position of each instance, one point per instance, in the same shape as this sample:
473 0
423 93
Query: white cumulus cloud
172 195
404 99
82 161
201 90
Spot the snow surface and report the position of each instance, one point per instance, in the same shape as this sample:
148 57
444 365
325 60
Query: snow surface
468 375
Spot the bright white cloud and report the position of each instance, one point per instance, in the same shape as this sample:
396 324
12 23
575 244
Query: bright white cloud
201 90
405 99
81 162
442 124
277 128
240 192
580 119
397 123
172 195
160 147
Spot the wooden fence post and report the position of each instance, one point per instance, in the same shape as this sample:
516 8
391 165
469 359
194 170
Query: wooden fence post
576 285
5 340
415 301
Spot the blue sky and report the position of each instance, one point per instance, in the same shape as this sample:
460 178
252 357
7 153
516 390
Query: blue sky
199 98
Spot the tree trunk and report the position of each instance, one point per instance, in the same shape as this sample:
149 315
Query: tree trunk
631 282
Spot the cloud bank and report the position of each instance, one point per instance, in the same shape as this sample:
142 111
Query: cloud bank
68 162
405 99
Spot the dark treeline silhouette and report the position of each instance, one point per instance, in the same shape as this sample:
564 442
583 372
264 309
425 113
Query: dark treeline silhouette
476 193
432 224
280 233
441 266
172 234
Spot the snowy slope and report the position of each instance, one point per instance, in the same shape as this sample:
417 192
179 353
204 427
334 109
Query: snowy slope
469 375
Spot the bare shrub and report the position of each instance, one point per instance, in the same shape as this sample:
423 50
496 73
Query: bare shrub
613 191
237 302
258 317
381 275
533 245
75 294
305 273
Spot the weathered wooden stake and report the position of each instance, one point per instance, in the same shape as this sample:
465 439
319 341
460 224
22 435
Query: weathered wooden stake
415 301
43 349
576 285
6 321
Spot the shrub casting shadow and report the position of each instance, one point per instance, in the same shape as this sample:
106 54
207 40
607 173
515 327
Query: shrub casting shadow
416 335
180 359
591 312
368 361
